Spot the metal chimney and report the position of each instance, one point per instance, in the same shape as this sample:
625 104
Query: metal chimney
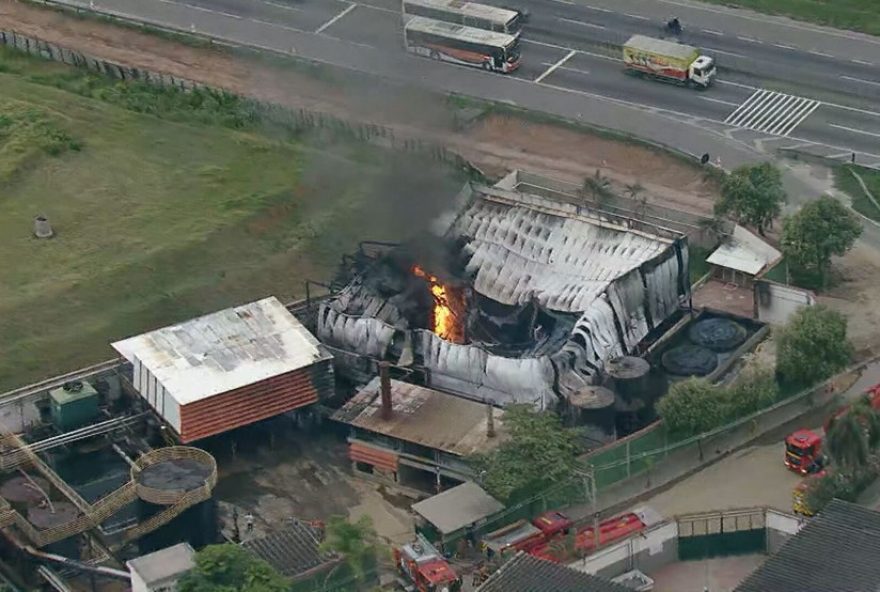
385 389
490 422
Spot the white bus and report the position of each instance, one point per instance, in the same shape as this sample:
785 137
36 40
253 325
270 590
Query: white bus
469 14
439 40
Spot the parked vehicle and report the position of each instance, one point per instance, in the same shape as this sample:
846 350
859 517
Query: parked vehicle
668 61
466 46
424 569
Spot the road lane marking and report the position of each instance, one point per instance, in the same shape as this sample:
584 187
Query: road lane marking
820 53
854 130
374 7
749 39
282 6
772 112
783 46
721 51
711 32
636 16
862 62
582 23
731 104
202 9
336 18
599 8
564 1
550 70
862 80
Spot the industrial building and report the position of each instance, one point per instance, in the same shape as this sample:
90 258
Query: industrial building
416 437
228 369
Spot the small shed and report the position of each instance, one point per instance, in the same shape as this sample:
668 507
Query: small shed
161 570
73 405
229 369
741 257
448 515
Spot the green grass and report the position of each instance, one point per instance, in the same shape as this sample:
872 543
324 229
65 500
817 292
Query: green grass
857 15
844 181
168 205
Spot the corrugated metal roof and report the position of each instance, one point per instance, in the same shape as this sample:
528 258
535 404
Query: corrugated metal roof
526 573
458 507
744 252
291 550
660 46
836 551
424 416
224 350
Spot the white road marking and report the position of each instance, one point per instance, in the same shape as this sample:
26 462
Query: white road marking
862 62
820 53
862 80
855 131
581 23
576 70
374 7
336 18
599 8
282 6
749 39
202 9
772 112
711 32
564 1
636 16
783 46
722 52
550 70
718 101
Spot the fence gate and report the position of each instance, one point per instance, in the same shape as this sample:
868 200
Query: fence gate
718 534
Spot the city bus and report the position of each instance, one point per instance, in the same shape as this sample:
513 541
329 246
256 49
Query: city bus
469 14
458 44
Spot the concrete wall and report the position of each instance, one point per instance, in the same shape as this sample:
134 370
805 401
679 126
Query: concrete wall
780 528
777 302
647 552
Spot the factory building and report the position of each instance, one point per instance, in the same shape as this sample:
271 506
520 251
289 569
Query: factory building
228 369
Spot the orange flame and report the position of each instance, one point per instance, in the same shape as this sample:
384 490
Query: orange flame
443 318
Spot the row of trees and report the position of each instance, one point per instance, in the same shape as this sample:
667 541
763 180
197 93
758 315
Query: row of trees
813 346
753 195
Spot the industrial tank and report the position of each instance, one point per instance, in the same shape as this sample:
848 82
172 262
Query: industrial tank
592 408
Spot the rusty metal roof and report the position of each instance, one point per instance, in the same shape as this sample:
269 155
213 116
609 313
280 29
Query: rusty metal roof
225 350
424 416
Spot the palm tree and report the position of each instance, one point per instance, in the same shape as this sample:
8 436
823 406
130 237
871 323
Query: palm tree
635 191
598 186
847 442
355 541
869 420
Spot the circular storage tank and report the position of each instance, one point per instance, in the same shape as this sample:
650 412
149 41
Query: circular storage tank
592 407
20 489
689 360
58 514
630 379
718 334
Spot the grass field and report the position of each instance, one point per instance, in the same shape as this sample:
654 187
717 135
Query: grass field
845 181
857 15
167 206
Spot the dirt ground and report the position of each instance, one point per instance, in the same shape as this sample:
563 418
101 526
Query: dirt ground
498 143
856 295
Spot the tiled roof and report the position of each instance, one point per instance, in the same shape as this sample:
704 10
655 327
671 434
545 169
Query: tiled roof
836 551
291 550
525 573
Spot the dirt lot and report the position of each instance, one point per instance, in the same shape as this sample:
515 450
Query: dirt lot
856 295
498 142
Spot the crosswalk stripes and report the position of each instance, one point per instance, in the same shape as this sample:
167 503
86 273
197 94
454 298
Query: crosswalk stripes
772 112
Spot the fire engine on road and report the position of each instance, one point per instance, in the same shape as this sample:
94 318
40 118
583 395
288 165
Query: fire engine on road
424 569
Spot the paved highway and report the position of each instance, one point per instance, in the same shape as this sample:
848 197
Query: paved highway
735 119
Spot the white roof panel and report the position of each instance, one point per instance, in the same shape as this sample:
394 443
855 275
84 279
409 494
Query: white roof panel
459 32
458 507
744 252
224 350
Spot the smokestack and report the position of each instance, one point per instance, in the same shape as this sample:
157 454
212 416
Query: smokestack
385 389
490 422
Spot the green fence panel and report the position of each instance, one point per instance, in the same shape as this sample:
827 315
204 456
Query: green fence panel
706 546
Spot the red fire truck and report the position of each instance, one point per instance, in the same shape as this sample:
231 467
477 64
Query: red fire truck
544 536
423 568
803 448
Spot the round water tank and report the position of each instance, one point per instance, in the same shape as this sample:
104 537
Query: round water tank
630 378
717 334
689 360
592 407
42 228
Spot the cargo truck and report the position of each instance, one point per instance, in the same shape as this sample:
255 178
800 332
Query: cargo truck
668 61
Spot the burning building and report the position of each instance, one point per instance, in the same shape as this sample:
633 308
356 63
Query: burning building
522 299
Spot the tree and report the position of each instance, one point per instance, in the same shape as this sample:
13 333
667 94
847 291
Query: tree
598 186
821 229
692 406
869 420
355 541
753 195
812 346
846 442
755 389
537 453
231 568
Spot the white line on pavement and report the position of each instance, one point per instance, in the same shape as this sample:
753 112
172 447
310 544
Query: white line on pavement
202 9
718 101
336 18
636 16
854 130
783 46
722 52
550 70
863 81
711 32
564 1
599 8
581 23
820 53
862 62
749 39
282 6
